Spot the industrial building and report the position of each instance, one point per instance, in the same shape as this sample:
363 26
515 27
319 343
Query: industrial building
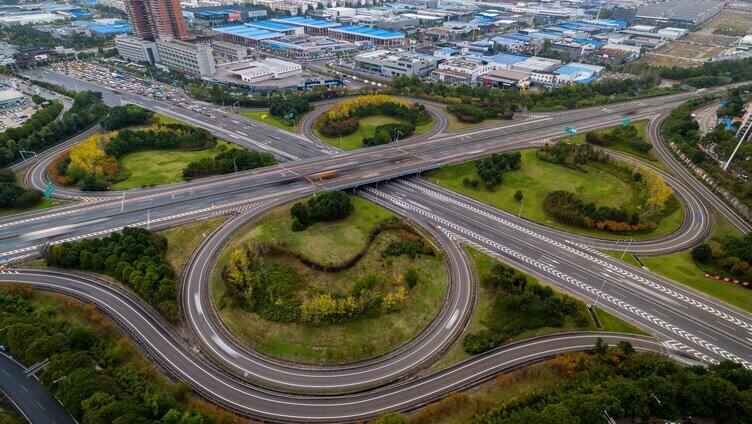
685 12
304 47
581 73
214 16
310 26
263 70
30 18
389 64
379 37
136 49
193 59
10 98
225 52
245 35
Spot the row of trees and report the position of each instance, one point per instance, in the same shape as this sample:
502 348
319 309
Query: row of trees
625 135
86 166
474 114
219 95
94 372
14 196
87 109
134 256
36 122
326 206
711 73
126 116
566 207
572 155
519 305
289 108
168 136
228 161
579 387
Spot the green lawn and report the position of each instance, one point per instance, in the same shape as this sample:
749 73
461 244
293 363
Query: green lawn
270 119
350 341
44 204
182 240
536 178
454 124
681 268
367 128
154 167
484 302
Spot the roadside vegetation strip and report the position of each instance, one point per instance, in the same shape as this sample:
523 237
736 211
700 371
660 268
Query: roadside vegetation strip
94 371
370 121
577 387
383 285
267 118
486 313
524 191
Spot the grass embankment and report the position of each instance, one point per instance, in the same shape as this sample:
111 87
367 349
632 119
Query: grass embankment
454 124
154 167
484 303
680 267
327 242
536 178
270 119
367 128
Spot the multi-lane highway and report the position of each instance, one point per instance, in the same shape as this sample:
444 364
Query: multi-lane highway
685 321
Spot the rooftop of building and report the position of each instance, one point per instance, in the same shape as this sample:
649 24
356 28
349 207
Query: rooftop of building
575 67
369 32
248 32
306 22
10 94
273 26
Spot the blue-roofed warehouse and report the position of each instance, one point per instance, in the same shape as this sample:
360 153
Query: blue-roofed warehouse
108 29
245 35
381 37
578 72
286 29
310 25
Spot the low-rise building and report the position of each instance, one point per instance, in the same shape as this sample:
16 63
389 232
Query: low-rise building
263 70
225 52
389 64
582 73
194 59
137 50
461 71
504 78
10 98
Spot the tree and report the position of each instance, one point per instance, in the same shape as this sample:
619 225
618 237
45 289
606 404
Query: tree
601 347
702 252
518 196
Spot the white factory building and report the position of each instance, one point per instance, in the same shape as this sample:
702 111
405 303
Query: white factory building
263 70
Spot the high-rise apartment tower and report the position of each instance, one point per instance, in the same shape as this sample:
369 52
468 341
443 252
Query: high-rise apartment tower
155 19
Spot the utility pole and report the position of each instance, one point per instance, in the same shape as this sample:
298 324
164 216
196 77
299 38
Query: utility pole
521 205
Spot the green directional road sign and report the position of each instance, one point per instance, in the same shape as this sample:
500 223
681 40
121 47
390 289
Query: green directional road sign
626 122
49 190
570 131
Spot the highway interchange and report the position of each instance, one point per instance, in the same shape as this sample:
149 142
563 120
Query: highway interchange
684 322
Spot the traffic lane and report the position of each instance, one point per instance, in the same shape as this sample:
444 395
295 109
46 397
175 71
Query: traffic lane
165 348
632 295
29 396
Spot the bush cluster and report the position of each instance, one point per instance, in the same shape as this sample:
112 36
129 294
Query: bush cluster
469 113
410 245
326 206
94 372
566 207
87 109
230 160
15 196
273 291
733 255
491 169
126 116
625 135
520 305
387 133
572 155
134 256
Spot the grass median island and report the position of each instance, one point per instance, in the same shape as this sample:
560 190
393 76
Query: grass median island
378 300
537 178
371 120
